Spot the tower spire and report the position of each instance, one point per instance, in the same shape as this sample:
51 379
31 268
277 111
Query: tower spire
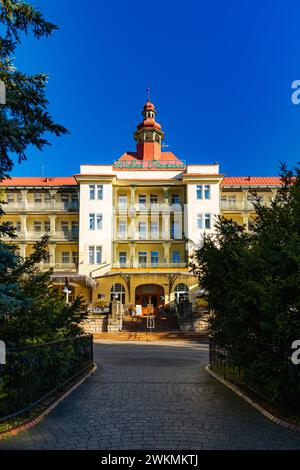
149 135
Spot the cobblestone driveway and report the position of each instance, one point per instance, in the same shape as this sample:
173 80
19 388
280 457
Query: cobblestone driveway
153 396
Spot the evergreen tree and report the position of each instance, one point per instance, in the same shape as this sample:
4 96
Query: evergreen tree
24 118
31 309
252 284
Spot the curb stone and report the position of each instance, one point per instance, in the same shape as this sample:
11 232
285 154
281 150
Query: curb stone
38 419
259 408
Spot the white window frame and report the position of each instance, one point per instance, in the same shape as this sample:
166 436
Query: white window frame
100 192
179 257
99 221
98 254
91 254
200 221
92 221
65 257
207 191
199 191
91 192
207 218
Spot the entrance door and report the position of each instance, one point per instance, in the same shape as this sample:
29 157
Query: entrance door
149 294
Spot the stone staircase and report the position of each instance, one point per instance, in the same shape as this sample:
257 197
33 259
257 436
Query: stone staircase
139 324
135 329
153 336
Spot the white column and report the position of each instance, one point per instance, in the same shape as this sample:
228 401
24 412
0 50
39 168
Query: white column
132 254
132 227
115 260
23 250
52 224
24 197
52 248
166 252
132 195
23 218
52 193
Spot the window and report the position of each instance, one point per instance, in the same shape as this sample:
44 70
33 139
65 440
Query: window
117 292
175 256
75 257
142 230
122 258
99 191
48 199
37 226
122 201
153 199
99 221
95 254
154 229
122 228
207 191
98 254
65 200
181 292
92 191
175 199
154 257
199 191
47 226
65 227
18 226
65 257
10 198
38 198
143 257
207 221
75 229
91 255
91 221
142 201
19 198
199 221
74 202
175 230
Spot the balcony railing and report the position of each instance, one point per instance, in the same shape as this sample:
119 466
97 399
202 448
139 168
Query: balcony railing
240 205
58 235
138 265
58 266
148 207
148 236
41 206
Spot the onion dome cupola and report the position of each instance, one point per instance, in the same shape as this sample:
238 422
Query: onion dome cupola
149 135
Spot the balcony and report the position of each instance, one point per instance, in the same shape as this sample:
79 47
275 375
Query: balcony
58 266
150 236
52 206
240 205
58 235
131 209
137 265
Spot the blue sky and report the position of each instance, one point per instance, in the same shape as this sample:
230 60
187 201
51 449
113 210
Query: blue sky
220 74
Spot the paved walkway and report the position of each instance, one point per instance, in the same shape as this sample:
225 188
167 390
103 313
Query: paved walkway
153 396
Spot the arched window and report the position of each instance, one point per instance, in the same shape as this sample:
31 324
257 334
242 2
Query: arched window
181 292
117 292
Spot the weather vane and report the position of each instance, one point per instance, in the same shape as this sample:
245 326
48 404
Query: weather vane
148 93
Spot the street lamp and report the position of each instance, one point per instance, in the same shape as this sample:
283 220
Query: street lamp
67 291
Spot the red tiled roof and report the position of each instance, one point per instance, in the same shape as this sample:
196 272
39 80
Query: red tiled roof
251 181
39 181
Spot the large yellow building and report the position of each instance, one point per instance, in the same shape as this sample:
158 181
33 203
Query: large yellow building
128 229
